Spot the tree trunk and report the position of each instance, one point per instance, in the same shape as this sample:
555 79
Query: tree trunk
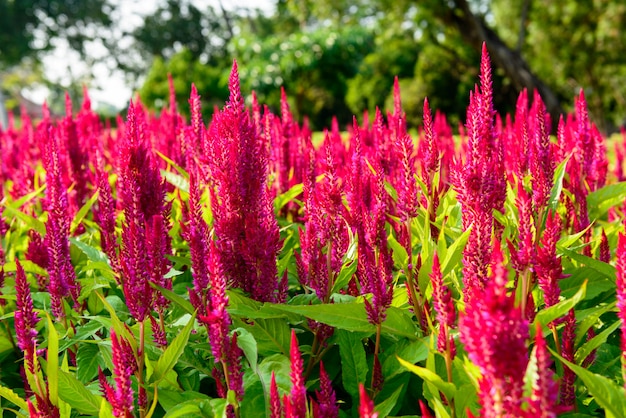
475 31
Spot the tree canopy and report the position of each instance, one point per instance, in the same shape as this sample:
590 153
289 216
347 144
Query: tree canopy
340 56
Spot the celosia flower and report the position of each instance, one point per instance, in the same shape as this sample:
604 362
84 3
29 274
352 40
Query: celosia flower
62 277
121 397
104 213
543 400
444 306
366 405
245 228
495 332
275 403
567 394
25 317
621 288
297 398
547 264
326 400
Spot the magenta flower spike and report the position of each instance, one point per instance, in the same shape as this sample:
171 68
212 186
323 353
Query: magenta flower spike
543 400
25 318
326 400
542 159
495 332
62 277
105 213
366 405
245 227
567 393
444 306
621 291
297 399
276 408
121 397
547 263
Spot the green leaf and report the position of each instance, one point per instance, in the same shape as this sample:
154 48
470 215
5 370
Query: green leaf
389 403
185 409
400 256
353 363
168 399
170 162
176 180
77 396
344 276
603 268
27 265
106 410
30 221
92 253
555 193
284 198
454 253
87 360
247 343
172 353
271 335
120 328
52 368
601 200
175 298
12 397
26 198
606 392
82 212
545 316
447 388
594 343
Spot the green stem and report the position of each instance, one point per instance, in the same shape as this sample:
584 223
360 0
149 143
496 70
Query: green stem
140 364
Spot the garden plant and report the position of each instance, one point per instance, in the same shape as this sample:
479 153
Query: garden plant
239 267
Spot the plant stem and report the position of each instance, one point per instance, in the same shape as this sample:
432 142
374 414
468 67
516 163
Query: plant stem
140 366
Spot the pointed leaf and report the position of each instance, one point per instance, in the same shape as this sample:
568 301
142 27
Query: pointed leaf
447 388
83 211
52 358
172 353
545 316
77 396
353 363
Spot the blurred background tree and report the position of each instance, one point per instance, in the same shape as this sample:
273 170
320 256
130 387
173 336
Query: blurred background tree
339 57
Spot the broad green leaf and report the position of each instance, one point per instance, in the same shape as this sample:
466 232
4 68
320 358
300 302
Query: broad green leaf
601 200
77 396
30 221
454 253
385 407
87 361
399 254
52 368
590 317
247 343
168 399
93 253
288 196
353 363
555 193
176 180
27 265
12 397
344 276
169 161
106 411
172 353
568 240
545 316
26 198
82 212
254 400
280 365
594 343
413 351
271 335
175 298
185 409
606 392
447 388
596 283
603 268
120 328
